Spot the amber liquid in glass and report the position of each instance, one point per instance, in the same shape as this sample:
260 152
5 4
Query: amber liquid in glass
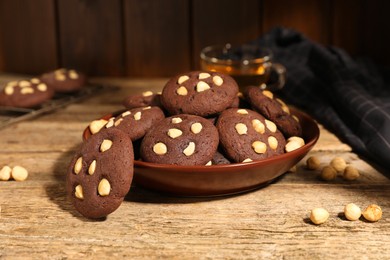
253 75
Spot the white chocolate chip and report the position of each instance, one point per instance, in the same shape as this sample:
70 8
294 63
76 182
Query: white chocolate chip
110 122
296 139
182 79
196 128
242 111
176 120
42 87
92 167
247 160
190 149
296 118
202 86
35 81
259 147
273 142
59 77
294 143
146 108
73 74
96 125
27 90
147 93
174 132
12 83
241 129
126 113
204 75
137 116
78 165
24 84
217 80
209 163
270 125
118 122
160 148
106 144
9 90
78 193
5 173
268 94
182 91
104 187
286 109
258 126
19 173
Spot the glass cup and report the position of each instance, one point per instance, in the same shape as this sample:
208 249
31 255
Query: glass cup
249 65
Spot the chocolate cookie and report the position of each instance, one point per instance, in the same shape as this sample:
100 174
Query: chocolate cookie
274 109
135 122
219 159
199 93
182 140
245 135
147 98
25 93
64 80
100 173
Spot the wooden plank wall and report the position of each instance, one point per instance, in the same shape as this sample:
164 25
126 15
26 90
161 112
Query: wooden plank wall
153 38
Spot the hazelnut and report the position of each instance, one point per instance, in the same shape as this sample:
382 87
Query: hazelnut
5 173
328 173
313 163
319 215
338 164
372 213
352 212
350 173
19 173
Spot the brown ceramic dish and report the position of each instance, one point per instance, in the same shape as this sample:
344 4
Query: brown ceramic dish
221 179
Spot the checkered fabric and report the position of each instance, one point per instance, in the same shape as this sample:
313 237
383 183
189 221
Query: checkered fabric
349 97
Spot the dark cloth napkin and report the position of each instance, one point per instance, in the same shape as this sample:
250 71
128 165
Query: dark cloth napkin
349 97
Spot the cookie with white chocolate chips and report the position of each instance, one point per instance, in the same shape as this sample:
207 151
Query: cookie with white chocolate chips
137 121
246 136
64 80
274 109
25 93
145 99
100 174
199 93
182 140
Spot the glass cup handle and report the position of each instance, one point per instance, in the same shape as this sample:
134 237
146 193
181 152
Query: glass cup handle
280 70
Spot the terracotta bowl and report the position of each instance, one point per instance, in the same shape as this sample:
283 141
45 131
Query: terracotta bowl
221 179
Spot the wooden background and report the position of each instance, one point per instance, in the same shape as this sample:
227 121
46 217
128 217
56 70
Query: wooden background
159 38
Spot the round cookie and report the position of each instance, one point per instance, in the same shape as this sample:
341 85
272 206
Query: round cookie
199 93
182 140
147 98
25 93
100 174
137 121
64 80
246 136
219 159
274 109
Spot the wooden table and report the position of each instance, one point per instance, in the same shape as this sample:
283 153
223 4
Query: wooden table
37 220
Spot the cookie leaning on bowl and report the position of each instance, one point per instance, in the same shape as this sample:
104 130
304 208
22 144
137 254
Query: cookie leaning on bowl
100 174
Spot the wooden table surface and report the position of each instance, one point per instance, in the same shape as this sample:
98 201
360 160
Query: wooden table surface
38 221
